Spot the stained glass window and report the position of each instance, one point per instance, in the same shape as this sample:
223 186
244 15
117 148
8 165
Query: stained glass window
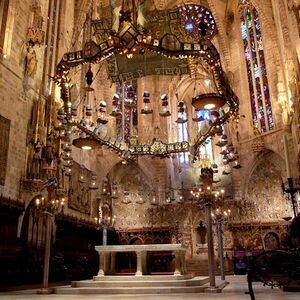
127 122
256 68
197 21
206 148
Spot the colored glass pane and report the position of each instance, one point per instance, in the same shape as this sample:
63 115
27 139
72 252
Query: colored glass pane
205 150
256 68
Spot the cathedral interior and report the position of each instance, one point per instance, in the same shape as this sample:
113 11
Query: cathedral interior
139 122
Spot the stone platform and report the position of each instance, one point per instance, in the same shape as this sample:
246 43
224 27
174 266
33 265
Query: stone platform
147 284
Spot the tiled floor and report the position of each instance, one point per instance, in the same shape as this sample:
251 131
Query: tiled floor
234 291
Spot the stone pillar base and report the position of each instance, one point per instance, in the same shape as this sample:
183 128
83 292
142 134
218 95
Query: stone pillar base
45 291
212 289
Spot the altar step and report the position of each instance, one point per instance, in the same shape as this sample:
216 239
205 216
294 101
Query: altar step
140 285
154 282
199 266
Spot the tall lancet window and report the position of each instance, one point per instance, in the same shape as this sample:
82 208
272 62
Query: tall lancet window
206 149
256 68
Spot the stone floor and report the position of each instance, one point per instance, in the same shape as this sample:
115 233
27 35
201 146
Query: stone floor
234 291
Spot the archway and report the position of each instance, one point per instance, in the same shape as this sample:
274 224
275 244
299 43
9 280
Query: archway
264 200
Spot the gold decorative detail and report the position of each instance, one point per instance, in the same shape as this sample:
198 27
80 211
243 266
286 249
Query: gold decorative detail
36 35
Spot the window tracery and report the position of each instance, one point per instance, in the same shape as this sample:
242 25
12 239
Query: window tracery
256 68
197 21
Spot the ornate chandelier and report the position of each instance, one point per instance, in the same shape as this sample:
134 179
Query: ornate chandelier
195 28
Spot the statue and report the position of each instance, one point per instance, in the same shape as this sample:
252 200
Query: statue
48 151
293 80
28 58
201 232
36 162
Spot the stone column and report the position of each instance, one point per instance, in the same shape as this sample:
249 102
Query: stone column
104 236
183 265
140 263
178 262
49 221
102 263
113 262
210 246
221 255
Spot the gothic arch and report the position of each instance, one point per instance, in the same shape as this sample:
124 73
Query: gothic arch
144 164
263 196
32 225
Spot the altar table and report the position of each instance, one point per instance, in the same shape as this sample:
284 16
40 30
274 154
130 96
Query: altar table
108 254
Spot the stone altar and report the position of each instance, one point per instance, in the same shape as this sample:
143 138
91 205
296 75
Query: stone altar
108 253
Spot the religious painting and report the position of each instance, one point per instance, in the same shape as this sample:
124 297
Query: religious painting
271 241
4 142
79 194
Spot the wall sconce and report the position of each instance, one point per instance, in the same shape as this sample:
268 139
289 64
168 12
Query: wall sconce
115 102
227 170
146 100
102 113
222 141
154 198
114 190
181 113
81 174
126 199
165 105
129 102
105 190
93 181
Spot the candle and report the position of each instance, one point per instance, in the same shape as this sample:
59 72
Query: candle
287 157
